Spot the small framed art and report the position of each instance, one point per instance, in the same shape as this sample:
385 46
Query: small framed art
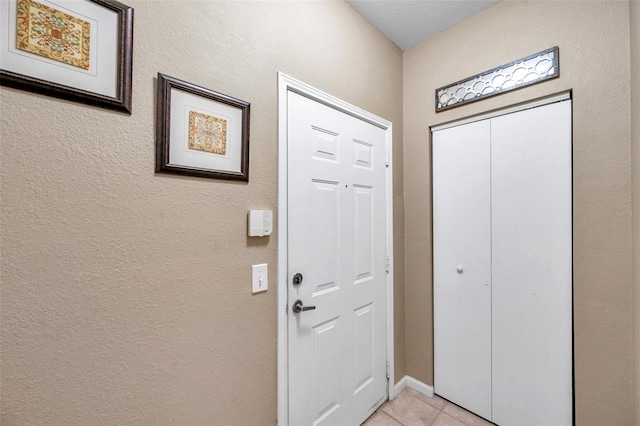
200 132
79 50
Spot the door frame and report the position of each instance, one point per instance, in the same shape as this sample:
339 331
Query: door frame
286 84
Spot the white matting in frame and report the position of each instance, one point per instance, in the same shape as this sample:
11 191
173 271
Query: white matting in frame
79 50
181 155
201 132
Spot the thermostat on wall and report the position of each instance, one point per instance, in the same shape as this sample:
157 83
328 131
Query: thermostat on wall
260 223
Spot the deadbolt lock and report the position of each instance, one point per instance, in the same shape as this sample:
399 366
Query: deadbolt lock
297 279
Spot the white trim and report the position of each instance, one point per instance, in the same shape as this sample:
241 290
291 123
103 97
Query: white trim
399 387
390 325
285 84
564 96
283 359
417 385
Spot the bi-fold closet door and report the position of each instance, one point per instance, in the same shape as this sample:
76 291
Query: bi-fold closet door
503 266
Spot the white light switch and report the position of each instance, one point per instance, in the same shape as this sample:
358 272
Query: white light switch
259 278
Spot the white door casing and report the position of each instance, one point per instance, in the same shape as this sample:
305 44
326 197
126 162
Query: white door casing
334 229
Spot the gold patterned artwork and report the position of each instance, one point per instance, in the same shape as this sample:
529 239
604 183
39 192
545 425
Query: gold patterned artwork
53 34
207 133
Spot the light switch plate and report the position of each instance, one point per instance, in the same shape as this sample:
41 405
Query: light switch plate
259 278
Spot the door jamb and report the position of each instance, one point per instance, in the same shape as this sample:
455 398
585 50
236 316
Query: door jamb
286 84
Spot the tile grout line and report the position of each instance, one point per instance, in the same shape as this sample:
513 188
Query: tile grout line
397 420
436 417
416 401
381 410
441 411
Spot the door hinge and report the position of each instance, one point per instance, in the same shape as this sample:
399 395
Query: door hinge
386 158
388 369
386 264
286 309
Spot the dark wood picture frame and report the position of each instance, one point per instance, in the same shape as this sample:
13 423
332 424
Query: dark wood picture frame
163 130
123 99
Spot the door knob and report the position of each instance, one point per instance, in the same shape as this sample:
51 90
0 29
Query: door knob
298 307
297 279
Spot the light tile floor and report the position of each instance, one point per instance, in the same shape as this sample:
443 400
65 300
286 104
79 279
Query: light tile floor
413 408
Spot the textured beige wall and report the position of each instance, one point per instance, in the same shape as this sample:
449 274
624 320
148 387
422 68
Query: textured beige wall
594 54
125 294
635 135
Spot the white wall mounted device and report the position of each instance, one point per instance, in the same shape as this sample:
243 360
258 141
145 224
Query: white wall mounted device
260 223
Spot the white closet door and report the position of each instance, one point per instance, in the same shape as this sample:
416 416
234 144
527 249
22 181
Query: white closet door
461 239
531 266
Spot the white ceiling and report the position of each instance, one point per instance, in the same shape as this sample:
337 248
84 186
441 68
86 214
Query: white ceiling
409 22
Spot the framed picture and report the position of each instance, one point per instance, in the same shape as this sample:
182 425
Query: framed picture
79 50
200 132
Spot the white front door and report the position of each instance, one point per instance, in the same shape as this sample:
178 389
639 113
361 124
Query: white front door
337 234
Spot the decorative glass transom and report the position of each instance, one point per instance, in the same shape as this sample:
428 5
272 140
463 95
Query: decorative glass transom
532 69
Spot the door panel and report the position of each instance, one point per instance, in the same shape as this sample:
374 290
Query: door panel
532 266
364 346
326 239
326 341
337 240
461 238
363 227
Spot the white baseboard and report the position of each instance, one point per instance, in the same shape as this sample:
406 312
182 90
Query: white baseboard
417 385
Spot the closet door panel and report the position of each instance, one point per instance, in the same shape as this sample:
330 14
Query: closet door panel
461 238
532 266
